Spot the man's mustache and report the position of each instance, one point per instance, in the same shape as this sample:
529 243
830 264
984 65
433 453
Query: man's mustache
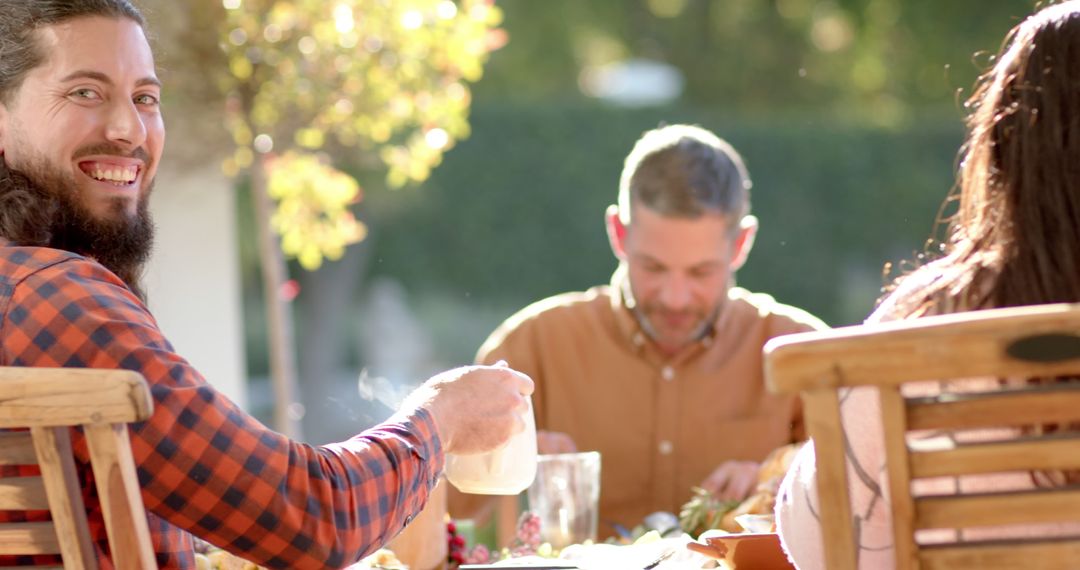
111 149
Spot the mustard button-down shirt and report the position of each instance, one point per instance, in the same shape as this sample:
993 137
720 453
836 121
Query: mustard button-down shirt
661 423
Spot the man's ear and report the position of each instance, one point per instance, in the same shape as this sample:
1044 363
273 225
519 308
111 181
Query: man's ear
616 231
744 241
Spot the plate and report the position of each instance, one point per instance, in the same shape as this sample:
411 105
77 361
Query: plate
746 551
537 566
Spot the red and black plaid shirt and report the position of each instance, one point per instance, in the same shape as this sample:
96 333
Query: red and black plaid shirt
205 466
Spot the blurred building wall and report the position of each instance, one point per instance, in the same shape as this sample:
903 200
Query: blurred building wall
193 281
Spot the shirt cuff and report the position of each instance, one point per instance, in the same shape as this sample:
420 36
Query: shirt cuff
418 428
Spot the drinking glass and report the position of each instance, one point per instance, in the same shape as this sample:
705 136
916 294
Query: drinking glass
566 497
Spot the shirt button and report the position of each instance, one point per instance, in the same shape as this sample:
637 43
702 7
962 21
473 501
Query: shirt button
666 447
639 339
667 373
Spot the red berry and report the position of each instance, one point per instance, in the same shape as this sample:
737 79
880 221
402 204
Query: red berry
451 527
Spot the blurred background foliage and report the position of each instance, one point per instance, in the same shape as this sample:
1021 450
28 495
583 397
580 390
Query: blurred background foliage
848 112
309 84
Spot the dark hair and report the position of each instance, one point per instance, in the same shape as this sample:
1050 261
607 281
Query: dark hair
19 19
685 171
1015 239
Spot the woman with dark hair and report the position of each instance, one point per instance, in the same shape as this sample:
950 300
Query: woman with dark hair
1014 240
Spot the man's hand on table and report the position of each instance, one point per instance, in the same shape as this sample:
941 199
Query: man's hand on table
733 480
548 442
475 408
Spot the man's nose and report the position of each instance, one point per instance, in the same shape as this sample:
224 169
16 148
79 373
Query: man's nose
675 292
125 125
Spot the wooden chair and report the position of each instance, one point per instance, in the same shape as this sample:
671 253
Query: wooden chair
49 402
1016 343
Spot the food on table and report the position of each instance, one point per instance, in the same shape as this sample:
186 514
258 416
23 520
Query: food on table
209 557
382 559
221 560
704 512
749 550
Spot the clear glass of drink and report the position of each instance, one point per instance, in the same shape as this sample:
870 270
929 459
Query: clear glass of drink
566 497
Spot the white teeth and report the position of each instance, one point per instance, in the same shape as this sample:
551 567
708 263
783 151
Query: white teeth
119 175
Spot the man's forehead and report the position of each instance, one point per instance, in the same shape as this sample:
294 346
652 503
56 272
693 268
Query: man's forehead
114 47
712 219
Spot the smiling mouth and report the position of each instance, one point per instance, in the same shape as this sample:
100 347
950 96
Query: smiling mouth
110 173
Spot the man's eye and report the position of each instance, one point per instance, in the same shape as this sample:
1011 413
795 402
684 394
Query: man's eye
85 94
146 99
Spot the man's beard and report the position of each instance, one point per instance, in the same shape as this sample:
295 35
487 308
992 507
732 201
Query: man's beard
701 328
39 207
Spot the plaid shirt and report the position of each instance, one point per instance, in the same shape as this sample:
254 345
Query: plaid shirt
206 467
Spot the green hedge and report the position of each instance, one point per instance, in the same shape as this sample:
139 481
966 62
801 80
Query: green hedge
515 213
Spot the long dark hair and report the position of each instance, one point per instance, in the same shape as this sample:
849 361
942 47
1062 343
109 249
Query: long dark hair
1015 238
19 50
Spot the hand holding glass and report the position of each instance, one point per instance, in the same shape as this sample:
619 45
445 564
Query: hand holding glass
507 470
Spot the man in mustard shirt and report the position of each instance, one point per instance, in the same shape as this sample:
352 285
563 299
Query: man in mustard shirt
661 370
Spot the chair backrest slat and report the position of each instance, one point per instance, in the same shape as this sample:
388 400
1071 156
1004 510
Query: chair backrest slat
72 396
16 448
28 538
893 416
50 402
1006 508
23 494
1034 405
960 345
60 478
118 489
989 419
1050 554
997 457
825 426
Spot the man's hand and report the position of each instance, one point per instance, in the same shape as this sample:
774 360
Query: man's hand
475 408
548 442
733 480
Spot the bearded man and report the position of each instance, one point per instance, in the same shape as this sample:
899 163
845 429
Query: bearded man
81 135
661 371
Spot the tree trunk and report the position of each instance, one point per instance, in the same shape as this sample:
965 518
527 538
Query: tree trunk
287 411
327 301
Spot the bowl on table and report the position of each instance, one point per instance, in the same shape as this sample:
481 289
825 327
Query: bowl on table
743 551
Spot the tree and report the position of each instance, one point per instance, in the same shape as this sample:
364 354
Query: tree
312 83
